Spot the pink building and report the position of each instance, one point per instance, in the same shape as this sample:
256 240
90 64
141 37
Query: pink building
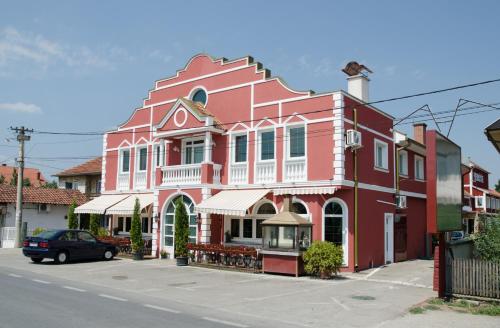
233 140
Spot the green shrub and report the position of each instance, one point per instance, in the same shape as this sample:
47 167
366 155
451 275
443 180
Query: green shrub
94 224
102 232
38 231
323 258
181 228
136 229
72 219
487 240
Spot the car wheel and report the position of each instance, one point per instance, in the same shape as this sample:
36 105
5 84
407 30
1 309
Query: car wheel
61 258
37 259
108 255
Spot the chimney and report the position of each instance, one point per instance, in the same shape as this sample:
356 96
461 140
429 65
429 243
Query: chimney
358 81
419 130
287 203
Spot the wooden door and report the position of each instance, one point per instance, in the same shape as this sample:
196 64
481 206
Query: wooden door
400 239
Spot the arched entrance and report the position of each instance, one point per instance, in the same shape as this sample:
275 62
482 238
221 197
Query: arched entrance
169 222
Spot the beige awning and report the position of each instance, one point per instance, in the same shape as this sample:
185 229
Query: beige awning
305 190
100 204
126 206
287 219
231 202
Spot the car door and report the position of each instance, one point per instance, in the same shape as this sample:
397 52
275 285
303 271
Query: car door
69 242
90 248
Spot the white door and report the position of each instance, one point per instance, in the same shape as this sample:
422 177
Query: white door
389 237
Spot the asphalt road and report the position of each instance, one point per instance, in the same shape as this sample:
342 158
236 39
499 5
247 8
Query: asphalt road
30 301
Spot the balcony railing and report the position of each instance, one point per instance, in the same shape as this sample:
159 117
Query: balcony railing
123 181
189 174
265 172
295 170
238 174
140 180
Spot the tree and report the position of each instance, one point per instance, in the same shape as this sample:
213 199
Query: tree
497 186
50 185
323 258
13 180
72 219
487 240
181 228
136 229
94 224
2 179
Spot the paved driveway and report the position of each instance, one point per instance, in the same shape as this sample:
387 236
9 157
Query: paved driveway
372 298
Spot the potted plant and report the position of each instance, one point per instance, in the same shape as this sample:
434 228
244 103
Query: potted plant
181 236
228 236
136 233
164 254
116 231
323 259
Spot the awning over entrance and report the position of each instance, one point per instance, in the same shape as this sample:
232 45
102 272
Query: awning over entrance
231 202
100 204
305 190
126 206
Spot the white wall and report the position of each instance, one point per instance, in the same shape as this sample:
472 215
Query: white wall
54 219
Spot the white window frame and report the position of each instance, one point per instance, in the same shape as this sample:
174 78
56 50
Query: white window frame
385 155
232 147
259 145
120 158
476 203
138 157
288 127
184 145
159 150
403 153
345 226
417 175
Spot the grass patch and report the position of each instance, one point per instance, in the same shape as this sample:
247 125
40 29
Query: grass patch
492 310
417 310
432 307
436 301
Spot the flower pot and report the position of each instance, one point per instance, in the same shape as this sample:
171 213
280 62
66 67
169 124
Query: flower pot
181 260
138 256
325 275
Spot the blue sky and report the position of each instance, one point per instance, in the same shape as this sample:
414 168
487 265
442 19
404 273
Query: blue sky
85 65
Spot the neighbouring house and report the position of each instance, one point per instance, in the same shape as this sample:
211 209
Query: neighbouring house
479 199
85 177
233 142
34 176
42 208
492 132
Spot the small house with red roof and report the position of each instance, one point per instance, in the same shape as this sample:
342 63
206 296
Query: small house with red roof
85 177
34 176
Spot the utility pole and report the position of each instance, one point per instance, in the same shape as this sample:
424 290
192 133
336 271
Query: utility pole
21 138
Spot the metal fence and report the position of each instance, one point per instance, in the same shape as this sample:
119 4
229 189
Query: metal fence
477 278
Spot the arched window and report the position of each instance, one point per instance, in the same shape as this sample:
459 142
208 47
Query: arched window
170 220
266 208
334 223
299 208
200 96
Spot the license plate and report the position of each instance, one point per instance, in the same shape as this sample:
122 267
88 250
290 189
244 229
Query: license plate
33 244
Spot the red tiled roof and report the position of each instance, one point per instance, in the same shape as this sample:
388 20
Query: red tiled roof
34 175
42 195
94 166
494 193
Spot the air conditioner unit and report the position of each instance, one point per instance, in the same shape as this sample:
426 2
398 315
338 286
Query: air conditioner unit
43 208
400 201
353 139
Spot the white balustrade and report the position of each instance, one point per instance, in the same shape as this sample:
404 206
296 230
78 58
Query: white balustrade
295 170
140 180
265 172
181 174
238 173
217 170
123 181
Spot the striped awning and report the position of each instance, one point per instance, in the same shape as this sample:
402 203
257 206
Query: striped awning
306 190
100 204
231 202
126 206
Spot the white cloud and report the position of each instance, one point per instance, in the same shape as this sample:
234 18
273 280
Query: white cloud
21 107
157 54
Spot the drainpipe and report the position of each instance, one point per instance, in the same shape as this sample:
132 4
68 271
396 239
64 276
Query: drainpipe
355 155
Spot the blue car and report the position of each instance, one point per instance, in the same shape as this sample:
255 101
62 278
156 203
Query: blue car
65 245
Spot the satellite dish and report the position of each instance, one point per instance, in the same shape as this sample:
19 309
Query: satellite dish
353 68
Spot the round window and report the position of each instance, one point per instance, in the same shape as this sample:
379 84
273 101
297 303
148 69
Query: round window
200 96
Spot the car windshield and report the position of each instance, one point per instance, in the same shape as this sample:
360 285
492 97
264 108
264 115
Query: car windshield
49 234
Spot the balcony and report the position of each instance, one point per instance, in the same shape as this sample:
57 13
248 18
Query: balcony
295 170
265 172
189 174
123 181
238 173
140 180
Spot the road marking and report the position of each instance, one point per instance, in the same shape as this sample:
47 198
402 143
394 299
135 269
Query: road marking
41 281
373 272
15 275
345 307
161 308
113 297
224 322
74 288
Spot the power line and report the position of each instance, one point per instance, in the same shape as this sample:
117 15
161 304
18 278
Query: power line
290 115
